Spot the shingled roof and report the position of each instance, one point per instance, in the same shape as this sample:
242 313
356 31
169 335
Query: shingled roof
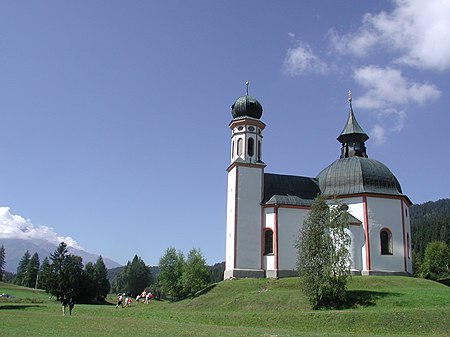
289 190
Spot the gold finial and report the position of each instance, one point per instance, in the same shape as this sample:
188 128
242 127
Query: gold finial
349 96
246 84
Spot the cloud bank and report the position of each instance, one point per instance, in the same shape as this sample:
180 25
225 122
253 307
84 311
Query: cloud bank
415 32
14 226
414 35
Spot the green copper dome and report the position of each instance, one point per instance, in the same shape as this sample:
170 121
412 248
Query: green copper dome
353 175
247 106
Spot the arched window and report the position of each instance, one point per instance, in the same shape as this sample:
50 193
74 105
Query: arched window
259 150
408 245
251 147
386 242
239 147
232 150
268 242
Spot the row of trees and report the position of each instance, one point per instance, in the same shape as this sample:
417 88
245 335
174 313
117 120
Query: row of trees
178 277
64 274
61 274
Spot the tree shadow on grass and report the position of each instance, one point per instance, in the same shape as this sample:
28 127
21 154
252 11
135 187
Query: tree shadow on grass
205 290
358 298
18 306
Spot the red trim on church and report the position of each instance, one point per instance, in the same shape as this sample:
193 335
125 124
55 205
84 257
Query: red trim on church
366 232
235 216
404 236
275 239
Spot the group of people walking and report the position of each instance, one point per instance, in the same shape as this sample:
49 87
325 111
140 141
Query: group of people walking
144 297
123 300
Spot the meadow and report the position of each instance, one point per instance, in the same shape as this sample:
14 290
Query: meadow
376 306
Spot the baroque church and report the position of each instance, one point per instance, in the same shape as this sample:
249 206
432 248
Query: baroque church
265 210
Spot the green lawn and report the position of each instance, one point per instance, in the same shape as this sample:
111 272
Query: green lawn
377 306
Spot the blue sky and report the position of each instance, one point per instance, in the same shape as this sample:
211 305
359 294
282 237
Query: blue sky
114 115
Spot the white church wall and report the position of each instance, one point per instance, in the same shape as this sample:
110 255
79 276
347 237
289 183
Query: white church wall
385 213
230 229
249 218
289 222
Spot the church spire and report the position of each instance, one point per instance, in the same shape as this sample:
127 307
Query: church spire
352 136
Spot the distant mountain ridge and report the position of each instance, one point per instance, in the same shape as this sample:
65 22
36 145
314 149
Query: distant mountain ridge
15 248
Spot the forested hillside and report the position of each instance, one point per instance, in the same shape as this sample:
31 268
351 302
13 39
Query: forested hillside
430 222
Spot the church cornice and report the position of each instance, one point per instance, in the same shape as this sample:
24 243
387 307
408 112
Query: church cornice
242 163
247 121
373 195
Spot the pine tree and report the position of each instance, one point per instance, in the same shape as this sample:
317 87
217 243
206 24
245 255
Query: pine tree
22 269
2 261
323 256
31 275
73 276
133 279
45 276
101 277
58 259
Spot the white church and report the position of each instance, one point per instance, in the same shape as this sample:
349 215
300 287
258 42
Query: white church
265 210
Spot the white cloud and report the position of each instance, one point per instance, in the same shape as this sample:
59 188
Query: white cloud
386 93
301 59
378 134
14 226
416 30
387 87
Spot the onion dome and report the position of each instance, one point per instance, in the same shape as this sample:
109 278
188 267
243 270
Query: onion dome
352 175
247 106
354 172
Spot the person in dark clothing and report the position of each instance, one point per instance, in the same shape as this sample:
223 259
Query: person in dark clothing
64 302
71 305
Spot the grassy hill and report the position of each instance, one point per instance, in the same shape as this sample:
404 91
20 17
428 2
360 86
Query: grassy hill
377 306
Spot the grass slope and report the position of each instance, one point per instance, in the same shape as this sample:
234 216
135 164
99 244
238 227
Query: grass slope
377 306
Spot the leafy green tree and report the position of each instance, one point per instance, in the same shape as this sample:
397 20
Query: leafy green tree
31 275
195 272
436 262
22 269
89 284
101 279
2 261
171 266
323 258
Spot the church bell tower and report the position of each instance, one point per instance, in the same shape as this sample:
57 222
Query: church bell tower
245 190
